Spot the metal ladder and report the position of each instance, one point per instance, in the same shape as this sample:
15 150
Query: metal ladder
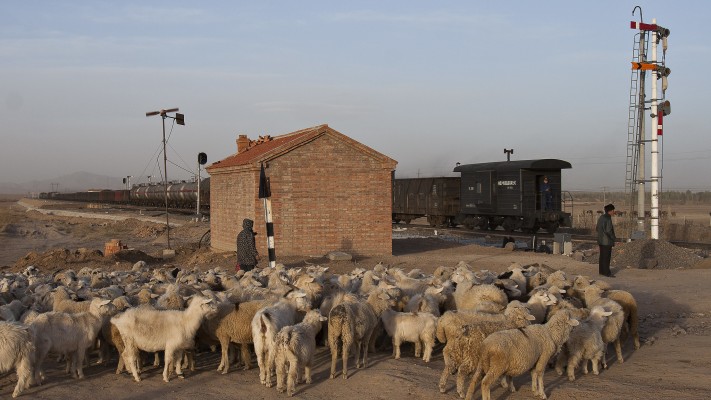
633 124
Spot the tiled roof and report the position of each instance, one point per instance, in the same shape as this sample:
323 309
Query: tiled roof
277 145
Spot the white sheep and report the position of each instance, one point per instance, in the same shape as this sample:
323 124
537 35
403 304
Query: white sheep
12 311
464 332
352 323
516 351
63 303
622 297
70 334
539 302
172 331
296 345
17 350
487 297
585 343
613 326
417 328
267 322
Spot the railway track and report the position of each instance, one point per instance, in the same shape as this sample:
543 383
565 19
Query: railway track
492 237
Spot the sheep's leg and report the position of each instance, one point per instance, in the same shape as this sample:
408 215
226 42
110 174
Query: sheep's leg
129 356
418 348
473 383
168 361
573 362
585 366
490 377
293 378
281 374
445 374
156 359
188 360
461 379
260 361
24 376
537 377
121 364
358 344
596 364
396 347
344 357
507 382
307 372
78 363
333 345
246 357
225 358
180 355
270 366
618 350
428 352
604 357
368 338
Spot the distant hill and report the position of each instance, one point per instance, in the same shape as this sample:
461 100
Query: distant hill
76 182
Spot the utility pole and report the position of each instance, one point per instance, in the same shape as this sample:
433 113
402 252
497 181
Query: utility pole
180 120
604 194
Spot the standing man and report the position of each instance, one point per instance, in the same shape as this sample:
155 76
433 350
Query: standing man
247 255
606 239
547 194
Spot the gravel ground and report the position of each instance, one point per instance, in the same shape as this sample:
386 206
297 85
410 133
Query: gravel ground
653 254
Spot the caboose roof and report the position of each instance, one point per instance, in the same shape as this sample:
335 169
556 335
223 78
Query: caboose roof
543 164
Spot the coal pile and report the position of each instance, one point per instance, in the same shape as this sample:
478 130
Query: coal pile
653 254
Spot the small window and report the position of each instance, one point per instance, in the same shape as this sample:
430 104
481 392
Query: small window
478 187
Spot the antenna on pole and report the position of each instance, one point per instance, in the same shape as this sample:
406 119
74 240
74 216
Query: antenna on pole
180 119
508 154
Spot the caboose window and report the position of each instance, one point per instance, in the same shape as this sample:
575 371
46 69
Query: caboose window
478 187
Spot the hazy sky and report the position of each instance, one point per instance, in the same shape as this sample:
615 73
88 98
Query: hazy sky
427 83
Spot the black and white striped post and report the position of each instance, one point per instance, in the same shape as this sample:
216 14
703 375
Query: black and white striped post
265 193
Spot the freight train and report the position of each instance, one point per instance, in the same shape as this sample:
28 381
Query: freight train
487 195
181 194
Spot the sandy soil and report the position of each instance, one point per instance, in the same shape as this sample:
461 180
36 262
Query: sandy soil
675 319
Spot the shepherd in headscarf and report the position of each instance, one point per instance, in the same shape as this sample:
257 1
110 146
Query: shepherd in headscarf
247 255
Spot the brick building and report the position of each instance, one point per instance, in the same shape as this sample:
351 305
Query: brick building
329 193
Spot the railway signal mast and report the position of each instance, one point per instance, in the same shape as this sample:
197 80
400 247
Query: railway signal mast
180 120
659 107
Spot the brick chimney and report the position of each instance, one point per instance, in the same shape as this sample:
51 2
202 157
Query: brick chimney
242 143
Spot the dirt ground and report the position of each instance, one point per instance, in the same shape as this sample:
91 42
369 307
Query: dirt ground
674 308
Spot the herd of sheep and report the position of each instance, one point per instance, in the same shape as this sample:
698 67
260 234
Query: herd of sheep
493 327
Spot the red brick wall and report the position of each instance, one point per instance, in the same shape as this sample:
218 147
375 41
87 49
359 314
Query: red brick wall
327 195
232 198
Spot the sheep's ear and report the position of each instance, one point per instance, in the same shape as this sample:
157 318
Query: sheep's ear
154 296
607 313
384 296
299 294
104 302
439 290
573 322
530 317
323 319
206 301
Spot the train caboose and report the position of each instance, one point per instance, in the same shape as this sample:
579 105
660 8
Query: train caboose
508 194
